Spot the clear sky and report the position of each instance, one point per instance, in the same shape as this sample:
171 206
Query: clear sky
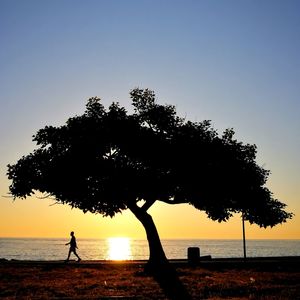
234 62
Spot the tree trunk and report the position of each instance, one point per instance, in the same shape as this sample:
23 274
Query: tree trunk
157 255
158 265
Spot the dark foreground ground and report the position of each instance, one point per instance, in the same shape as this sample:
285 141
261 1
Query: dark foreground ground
272 278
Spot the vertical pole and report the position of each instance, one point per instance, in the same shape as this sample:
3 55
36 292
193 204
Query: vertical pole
244 236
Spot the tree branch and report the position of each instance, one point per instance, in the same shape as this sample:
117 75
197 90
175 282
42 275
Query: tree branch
133 207
173 201
45 197
55 203
5 196
148 204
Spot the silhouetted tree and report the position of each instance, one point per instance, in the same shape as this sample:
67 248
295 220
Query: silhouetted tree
106 160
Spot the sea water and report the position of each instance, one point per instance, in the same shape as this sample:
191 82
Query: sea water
133 249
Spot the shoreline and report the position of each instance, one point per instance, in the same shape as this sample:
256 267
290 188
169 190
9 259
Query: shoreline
206 261
201 259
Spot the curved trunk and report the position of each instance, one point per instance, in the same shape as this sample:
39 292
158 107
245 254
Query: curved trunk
158 265
157 255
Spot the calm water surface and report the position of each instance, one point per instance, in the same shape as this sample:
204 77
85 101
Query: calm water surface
131 249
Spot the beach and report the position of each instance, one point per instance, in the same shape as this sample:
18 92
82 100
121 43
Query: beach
259 278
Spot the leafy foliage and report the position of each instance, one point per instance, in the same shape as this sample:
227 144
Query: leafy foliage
106 160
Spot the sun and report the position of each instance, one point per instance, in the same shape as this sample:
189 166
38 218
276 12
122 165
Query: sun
119 248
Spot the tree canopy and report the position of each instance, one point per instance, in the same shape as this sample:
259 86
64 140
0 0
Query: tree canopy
106 160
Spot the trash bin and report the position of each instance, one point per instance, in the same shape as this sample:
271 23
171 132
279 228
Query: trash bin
193 255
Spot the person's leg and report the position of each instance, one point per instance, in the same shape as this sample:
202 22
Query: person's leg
69 255
77 255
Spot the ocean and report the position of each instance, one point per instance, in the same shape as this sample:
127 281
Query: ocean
133 249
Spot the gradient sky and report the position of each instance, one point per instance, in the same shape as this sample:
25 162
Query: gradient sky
234 62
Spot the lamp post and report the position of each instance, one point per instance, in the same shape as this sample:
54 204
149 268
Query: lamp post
244 236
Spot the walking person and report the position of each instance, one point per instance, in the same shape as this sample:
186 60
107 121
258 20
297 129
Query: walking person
73 247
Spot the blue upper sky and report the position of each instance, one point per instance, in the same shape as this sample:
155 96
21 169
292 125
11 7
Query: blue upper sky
234 62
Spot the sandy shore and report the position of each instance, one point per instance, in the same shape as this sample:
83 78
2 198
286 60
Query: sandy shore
259 278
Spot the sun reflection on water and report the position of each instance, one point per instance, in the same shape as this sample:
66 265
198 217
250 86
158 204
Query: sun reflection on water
119 248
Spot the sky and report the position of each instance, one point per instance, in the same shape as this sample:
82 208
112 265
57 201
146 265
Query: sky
236 63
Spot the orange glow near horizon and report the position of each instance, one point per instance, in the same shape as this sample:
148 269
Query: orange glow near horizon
119 248
36 218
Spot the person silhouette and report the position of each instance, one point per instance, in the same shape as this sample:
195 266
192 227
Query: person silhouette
73 247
